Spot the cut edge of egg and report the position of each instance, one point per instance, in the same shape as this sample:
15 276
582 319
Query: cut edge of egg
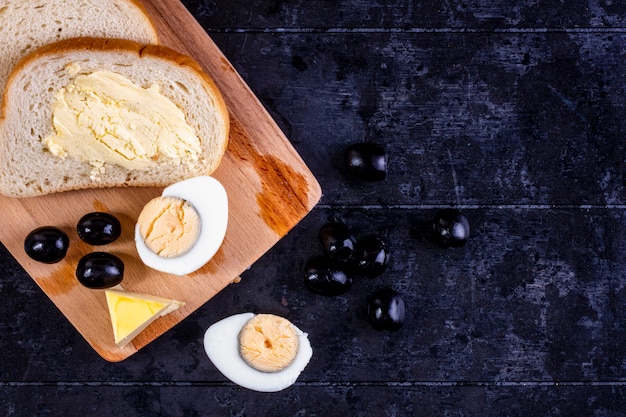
214 208
221 344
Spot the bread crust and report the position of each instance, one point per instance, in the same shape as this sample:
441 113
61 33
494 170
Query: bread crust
124 45
142 8
101 45
146 28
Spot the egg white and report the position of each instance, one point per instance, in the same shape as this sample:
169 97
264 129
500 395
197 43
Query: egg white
208 197
221 343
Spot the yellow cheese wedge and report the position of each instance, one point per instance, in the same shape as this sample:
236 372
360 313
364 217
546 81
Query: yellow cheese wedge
132 312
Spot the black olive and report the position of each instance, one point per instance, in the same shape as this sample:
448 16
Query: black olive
46 244
323 277
367 161
99 228
100 270
371 256
386 310
337 241
451 228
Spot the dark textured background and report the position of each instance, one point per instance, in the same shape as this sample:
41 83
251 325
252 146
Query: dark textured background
513 111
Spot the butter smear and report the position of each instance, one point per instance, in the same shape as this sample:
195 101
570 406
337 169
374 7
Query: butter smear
104 118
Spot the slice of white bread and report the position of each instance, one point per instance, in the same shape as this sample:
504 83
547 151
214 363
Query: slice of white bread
28 168
25 25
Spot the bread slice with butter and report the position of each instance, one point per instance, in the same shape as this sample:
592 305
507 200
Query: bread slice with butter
26 25
93 113
131 313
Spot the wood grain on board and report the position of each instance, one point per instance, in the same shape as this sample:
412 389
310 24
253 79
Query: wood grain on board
269 187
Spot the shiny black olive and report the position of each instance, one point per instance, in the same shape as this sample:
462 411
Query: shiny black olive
323 277
371 256
46 244
337 241
451 228
367 161
386 310
99 228
100 270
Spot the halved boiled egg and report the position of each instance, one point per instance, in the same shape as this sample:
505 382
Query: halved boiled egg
261 352
180 231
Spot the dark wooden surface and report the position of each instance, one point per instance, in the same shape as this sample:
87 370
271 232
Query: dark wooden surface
513 111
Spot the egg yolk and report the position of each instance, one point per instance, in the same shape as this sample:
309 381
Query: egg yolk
169 226
268 343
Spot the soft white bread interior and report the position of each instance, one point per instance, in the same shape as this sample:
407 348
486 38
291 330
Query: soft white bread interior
28 168
26 25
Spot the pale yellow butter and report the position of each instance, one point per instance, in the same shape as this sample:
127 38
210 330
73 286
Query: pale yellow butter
72 68
104 118
131 313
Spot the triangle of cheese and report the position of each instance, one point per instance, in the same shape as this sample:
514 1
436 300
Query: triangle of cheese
132 312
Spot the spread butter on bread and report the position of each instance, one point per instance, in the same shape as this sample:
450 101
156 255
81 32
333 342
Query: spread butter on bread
25 25
68 100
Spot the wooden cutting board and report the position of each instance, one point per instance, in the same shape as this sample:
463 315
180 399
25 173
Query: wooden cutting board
269 187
